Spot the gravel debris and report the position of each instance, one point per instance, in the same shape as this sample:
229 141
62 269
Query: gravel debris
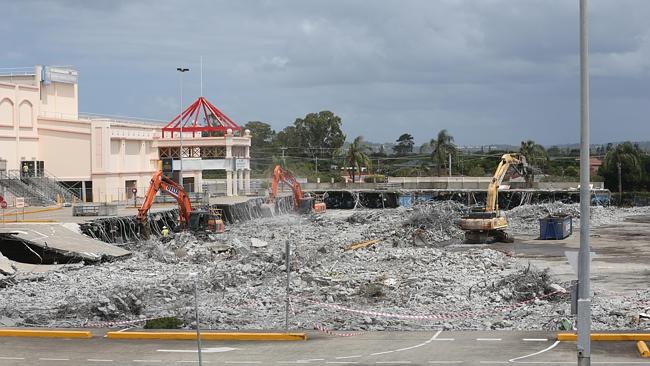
242 278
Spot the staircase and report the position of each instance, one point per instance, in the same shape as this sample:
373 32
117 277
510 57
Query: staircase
18 188
37 191
51 188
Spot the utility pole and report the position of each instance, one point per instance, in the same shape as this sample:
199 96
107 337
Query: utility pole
620 185
181 70
198 328
449 164
283 162
584 256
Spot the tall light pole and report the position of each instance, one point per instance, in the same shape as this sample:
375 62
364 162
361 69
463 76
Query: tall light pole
584 256
181 70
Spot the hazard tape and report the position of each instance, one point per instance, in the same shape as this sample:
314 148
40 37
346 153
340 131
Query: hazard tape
321 328
441 316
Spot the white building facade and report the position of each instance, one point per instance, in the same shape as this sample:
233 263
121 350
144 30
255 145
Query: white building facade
104 158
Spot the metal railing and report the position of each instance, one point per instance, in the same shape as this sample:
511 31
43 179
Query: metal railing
15 184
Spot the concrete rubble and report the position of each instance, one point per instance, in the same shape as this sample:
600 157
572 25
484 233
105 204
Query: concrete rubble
242 277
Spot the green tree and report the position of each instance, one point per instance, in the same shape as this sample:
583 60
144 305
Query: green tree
631 159
404 145
319 135
262 136
476 171
442 146
536 156
356 156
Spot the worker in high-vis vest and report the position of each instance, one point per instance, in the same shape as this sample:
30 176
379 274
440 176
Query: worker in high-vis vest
165 232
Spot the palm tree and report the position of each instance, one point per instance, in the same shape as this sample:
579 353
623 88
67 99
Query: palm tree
357 156
535 155
442 146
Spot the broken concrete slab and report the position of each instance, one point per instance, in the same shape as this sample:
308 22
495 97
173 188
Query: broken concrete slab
62 240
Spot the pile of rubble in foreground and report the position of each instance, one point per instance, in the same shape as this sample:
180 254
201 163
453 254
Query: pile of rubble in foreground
395 283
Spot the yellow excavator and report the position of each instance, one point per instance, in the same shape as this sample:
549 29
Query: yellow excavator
488 224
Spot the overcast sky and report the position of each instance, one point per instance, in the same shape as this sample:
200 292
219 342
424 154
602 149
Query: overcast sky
489 71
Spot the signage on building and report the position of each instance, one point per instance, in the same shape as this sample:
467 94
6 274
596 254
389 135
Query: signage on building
240 164
60 74
19 202
134 190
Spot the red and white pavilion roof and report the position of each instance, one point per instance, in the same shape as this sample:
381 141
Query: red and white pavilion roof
200 116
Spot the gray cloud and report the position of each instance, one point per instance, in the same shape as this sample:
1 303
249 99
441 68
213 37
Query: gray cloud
490 71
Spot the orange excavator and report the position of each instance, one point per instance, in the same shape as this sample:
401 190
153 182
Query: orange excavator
300 202
188 219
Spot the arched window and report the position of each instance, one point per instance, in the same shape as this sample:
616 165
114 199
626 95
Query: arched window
25 114
6 112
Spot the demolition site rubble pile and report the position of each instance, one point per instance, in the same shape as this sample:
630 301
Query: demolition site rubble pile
390 284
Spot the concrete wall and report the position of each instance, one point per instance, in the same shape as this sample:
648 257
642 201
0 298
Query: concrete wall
57 145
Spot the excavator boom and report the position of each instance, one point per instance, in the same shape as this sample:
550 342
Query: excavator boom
480 226
160 182
281 175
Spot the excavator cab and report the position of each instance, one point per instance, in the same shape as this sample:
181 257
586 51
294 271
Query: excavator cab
206 220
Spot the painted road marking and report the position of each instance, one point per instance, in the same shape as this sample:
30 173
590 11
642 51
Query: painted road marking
203 350
345 357
97 360
408 348
535 339
536 353
12 358
488 339
494 362
446 362
54 359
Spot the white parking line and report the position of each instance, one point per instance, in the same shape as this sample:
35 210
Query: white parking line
494 362
11 358
535 339
97 360
54 359
345 357
516 359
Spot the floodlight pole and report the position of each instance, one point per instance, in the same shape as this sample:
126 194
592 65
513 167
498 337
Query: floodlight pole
584 257
181 70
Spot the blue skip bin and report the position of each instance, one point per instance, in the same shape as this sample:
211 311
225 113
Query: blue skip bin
555 227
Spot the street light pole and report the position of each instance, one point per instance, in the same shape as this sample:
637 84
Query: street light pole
584 256
181 70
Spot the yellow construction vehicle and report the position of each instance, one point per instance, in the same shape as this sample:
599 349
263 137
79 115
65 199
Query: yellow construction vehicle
488 224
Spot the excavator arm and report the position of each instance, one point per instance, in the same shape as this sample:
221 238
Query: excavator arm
489 224
159 182
281 175
507 161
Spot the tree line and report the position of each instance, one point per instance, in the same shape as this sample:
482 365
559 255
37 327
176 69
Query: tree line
315 146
